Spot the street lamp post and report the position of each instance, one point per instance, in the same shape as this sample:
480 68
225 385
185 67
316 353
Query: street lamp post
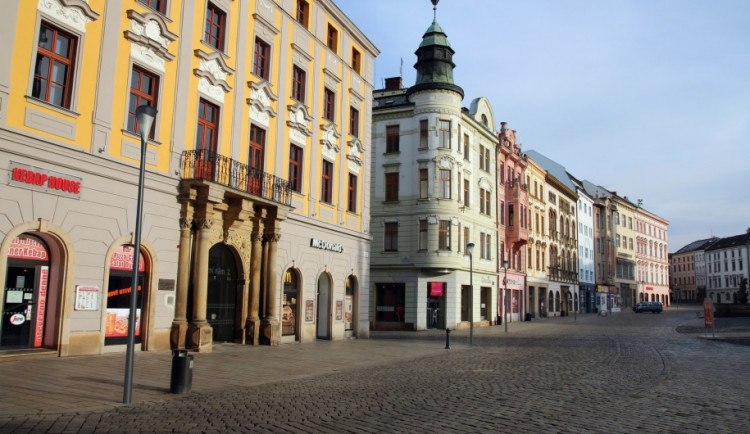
470 251
145 115
505 295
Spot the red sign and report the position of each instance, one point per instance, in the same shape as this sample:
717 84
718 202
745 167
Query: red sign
23 247
41 306
122 259
45 180
649 288
436 289
707 313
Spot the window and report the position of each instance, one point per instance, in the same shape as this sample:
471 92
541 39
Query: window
256 158
423 235
261 59
467 193
208 127
391 187
390 237
352 202
329 104
392 137
423 133
511 215
332 39
484 202
487 247
356 61
482 235
295 168
445 134
215 27
53 70
445 183
424 183
143 89
502 212
326 186
483 158
444 235
157 5
298 84
466 239
303 12
353 122
466 146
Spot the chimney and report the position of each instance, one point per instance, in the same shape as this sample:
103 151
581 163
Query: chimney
393 83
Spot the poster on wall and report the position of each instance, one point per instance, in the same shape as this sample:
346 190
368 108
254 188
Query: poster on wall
339 310
87 298
309 310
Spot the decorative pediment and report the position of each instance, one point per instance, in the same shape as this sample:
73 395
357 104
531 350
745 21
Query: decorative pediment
299 120
74 13
356 149
445 161
151 32
329 140
213 71
485 183
260 101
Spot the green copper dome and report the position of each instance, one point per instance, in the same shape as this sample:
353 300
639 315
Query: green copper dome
435 62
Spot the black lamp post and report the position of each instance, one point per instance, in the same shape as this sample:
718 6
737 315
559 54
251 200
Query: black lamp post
470 251
145 115
505 295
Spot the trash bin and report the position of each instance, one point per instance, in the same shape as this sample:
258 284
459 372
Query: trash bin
182 372
528 316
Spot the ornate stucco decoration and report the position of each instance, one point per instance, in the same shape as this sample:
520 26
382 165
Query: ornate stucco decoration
445 161
150 39
329 140
74 13
241 242
485 183
260 101
298 123
212 73
356 149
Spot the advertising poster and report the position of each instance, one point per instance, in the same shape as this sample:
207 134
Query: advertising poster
348 311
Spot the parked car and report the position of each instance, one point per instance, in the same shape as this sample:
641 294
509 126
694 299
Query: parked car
648 306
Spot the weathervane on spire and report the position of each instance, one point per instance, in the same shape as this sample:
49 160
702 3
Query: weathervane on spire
434 7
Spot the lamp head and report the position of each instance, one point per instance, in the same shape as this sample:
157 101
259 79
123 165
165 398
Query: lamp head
145 114
505 264
470 248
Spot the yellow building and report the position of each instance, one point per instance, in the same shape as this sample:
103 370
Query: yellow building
256 204
625 250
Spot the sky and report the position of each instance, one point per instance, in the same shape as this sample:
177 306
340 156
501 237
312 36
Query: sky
647 98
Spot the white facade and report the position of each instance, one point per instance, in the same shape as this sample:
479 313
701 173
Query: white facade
727 264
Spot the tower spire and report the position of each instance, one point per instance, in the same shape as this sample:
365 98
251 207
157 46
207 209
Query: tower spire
434 9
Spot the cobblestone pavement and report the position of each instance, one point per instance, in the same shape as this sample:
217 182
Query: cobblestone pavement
619 374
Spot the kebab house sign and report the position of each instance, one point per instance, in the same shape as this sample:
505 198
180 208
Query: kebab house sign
47 181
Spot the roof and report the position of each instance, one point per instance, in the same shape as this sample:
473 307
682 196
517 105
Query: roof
697 245
553 168
595 191
728 242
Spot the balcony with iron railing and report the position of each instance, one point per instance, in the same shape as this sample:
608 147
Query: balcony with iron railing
558 274
213 167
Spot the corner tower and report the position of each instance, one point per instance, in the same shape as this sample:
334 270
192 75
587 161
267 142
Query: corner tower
435 60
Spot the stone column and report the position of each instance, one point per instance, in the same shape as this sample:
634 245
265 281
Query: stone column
179 324
252 326
271 325
200 333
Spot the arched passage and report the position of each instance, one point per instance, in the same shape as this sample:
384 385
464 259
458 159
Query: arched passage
323 327
221 297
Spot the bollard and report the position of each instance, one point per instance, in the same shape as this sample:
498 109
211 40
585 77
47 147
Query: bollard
447 339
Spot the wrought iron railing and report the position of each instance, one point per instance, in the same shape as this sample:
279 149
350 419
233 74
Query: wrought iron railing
213 167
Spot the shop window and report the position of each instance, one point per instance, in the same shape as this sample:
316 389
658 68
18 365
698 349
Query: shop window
144 88
349 303
53 69
290 303
118 292
26 296
389 302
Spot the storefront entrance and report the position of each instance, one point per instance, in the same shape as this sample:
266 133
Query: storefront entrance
436 305
221 300
25 294
118 296
324 303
